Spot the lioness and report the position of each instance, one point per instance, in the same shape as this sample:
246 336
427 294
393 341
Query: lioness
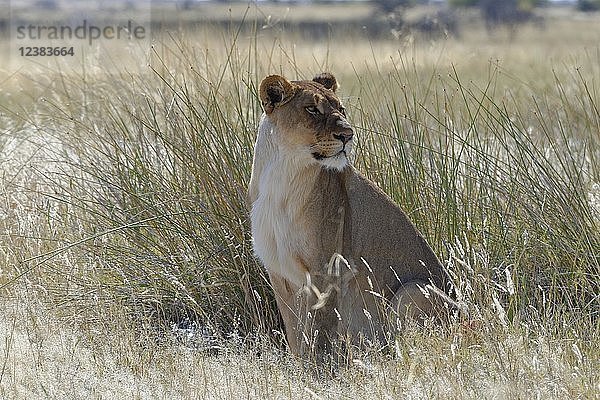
343 259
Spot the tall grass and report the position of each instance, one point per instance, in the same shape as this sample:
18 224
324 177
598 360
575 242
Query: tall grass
154 165
134 193
472 164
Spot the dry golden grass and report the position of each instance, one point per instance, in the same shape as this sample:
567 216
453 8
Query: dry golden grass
44 358
126 268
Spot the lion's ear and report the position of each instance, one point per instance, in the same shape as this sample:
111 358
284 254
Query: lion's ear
327 80
275 90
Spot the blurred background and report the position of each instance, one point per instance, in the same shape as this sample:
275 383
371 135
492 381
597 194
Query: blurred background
126 260
476 22
376 18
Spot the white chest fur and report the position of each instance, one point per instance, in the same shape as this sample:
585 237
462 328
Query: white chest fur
283 183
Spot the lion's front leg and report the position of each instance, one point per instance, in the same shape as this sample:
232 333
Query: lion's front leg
309 318
289 305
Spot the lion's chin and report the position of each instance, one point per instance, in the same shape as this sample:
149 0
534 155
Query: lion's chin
337 162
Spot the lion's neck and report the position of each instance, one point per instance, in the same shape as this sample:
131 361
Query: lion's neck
280 174
288 182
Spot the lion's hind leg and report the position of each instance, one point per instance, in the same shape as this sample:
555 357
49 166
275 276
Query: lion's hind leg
419 300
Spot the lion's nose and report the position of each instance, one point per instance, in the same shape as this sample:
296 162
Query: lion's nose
343 137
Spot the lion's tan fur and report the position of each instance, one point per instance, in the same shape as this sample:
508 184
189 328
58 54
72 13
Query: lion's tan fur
343 259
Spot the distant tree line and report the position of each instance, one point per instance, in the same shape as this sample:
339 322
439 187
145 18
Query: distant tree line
493 7
588 5
495 13
506 12
520 4
582 5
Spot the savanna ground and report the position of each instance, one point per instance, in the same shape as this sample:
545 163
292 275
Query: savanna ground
126 266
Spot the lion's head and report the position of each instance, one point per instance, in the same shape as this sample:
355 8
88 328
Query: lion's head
309 117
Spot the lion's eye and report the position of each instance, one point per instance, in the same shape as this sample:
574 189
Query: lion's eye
313 110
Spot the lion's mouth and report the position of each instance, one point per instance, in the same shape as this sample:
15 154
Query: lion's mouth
319 156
